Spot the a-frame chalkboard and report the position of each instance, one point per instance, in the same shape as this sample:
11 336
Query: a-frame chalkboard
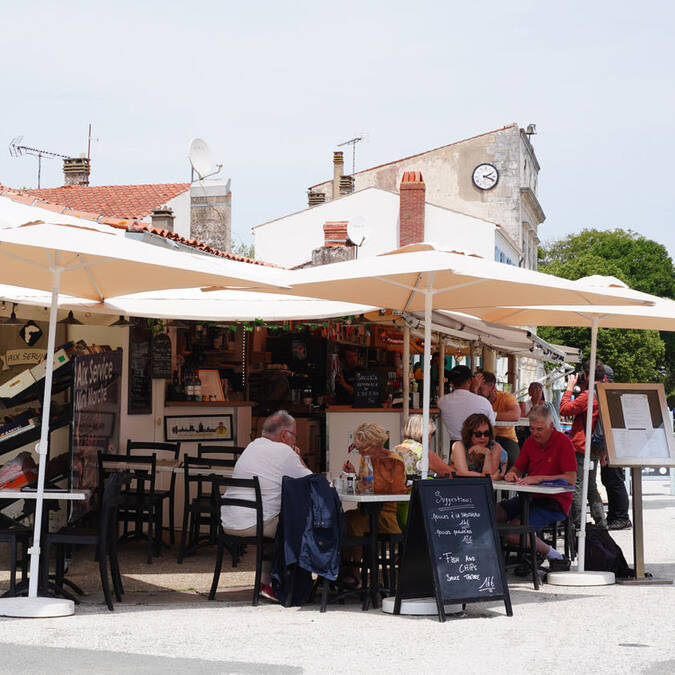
452 550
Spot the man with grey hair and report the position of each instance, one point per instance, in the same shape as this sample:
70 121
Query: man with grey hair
270 458
547 455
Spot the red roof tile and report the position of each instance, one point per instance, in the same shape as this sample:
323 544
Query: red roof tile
121 201
130 225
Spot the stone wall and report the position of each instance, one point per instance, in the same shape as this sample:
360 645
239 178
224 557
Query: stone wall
211 213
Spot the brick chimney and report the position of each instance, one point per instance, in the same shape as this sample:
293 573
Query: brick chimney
338 168
76 171
315 198
163 218
335 233
411 215
336 245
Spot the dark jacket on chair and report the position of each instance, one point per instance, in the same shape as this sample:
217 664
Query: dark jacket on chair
309 535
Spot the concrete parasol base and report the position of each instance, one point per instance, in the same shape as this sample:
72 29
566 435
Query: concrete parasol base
586 578
36 608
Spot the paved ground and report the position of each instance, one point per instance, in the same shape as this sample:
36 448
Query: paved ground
167 625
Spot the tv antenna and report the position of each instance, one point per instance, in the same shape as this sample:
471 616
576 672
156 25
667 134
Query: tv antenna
18 150
201 160
353 142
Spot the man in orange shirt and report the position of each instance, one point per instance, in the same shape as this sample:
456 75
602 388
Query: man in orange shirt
506 409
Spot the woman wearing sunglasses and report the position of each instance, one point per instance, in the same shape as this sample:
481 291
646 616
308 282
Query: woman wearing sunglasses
477 454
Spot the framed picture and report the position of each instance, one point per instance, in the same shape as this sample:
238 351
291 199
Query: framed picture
637 424
199 427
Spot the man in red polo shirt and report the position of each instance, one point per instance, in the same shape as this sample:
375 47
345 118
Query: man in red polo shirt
547 455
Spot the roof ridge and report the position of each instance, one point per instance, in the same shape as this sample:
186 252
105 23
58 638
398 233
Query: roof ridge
424 152
126 185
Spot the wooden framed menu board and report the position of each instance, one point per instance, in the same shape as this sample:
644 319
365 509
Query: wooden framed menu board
637 425
452 550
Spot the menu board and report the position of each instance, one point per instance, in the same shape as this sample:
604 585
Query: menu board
452 550
636 423
140 380
95 424
160 358
367 389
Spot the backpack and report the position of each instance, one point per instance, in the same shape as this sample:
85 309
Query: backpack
603 554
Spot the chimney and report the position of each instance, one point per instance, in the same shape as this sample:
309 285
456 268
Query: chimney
76 171
411 216
338 168
315 198
346 185
335 233
163 218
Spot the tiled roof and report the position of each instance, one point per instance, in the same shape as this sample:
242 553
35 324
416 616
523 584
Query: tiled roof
118 201
130 225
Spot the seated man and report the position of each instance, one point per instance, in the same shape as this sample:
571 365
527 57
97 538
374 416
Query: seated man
270 457
546 455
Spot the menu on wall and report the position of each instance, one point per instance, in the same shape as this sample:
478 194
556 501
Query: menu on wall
161 357
367 389
452 550
140 380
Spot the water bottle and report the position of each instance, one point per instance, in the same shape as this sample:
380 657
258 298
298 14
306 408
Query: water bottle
365 480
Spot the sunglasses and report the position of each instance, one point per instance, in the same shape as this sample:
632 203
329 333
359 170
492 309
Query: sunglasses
486 433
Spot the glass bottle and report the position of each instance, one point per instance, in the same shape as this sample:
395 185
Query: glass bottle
198 388
365 477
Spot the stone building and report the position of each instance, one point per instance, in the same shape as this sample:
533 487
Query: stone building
461 176
201 211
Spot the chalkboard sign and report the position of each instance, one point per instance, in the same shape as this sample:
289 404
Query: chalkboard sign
140 380
452 550
161 357
367 389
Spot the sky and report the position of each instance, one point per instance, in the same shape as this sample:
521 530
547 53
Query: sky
275 86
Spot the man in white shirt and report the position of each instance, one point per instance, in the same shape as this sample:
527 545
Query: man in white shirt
463 401
270 457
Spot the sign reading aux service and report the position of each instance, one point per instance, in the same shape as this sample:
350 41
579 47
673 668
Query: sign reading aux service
96 409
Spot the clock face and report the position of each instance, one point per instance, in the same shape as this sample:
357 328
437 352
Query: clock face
485 176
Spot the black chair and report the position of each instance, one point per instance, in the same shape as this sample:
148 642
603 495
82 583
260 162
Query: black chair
139 504
171 451
104 538
204 449
15 536
233 543
551 533
202 509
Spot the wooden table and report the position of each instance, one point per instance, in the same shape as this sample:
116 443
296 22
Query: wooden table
74 495
371 505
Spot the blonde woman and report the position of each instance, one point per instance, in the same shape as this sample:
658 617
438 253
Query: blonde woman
410 450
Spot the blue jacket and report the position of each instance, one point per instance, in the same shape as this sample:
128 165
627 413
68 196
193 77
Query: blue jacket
309 534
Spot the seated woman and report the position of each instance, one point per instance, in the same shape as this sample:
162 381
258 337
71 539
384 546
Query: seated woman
388 478
477 454
410 450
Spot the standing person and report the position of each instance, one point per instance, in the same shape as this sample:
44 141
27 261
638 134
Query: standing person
506 409
536 393
270 457
346 378
612 478
577 410
463 401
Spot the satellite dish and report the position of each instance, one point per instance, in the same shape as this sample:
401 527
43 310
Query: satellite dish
357 230
200 157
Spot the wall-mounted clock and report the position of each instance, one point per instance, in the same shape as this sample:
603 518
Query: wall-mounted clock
485 176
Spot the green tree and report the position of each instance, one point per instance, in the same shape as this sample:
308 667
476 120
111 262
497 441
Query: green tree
643 264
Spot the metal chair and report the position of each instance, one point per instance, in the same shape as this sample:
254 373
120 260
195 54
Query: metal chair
204 449
202 509
15 536
232 542
173 450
